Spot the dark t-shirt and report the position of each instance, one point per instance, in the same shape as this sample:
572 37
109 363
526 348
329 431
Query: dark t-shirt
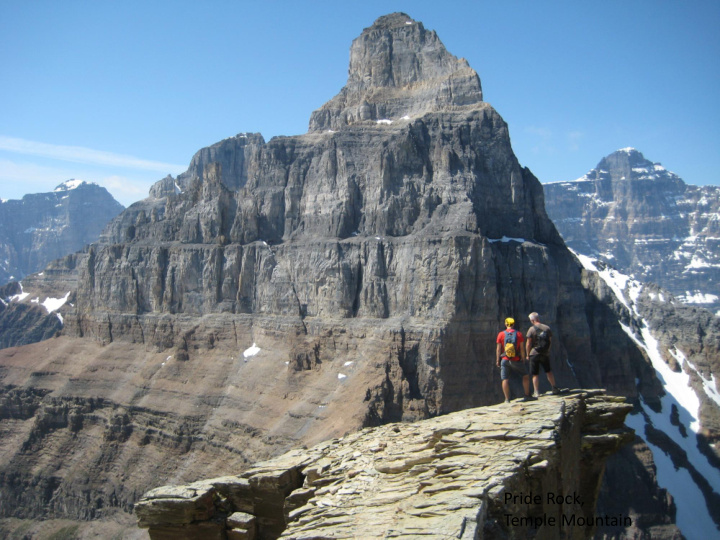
532 333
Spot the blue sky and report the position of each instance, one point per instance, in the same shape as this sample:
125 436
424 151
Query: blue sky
123 93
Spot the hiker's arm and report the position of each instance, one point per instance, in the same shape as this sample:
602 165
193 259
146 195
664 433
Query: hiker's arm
528 346
498 352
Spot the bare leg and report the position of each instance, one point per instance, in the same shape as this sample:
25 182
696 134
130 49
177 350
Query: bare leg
551 379
526 384
536 383
506 389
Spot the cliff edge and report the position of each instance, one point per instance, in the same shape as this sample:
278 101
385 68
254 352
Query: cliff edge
512 471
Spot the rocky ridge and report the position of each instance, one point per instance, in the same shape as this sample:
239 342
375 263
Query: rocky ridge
33 310
500 472
645 221
364 261
43 227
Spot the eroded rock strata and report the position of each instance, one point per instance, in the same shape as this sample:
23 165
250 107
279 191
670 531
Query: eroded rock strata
419 230
512 471
285 292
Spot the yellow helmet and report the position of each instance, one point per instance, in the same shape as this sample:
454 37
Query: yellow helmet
509 321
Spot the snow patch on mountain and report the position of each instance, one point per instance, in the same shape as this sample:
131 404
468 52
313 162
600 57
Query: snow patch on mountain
708 384
20 296
72 184
53 304
680 401
251 351
697 297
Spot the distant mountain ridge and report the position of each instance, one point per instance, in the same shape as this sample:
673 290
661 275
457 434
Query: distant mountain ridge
646 221
42 227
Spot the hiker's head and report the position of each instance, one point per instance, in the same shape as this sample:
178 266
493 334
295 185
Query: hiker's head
509 322
534 317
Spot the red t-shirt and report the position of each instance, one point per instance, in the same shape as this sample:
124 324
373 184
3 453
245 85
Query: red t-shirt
501 340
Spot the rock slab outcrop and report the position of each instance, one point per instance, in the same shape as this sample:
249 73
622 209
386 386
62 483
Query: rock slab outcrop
512 471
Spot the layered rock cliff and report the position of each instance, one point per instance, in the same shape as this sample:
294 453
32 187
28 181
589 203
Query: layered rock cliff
387 228
43 227
285 292
645 221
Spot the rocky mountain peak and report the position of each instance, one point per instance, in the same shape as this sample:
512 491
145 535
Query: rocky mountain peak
629 164
624 158
41 227
397 51
398 69
644 220
392 20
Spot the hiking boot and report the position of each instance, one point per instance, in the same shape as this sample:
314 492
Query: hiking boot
536 395
507 402
528 397
557 391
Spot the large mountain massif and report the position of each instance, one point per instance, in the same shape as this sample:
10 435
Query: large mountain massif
43 227
644 220
283 292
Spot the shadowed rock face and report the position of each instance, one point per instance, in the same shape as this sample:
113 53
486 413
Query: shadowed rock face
370 260
630 488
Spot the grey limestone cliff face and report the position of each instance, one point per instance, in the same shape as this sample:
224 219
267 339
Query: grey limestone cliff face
46 226
420 227
644 220
398 69
371 260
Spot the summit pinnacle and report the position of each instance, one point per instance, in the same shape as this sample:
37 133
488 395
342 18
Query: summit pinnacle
369 260
398 69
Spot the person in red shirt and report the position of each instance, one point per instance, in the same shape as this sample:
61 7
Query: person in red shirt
510 358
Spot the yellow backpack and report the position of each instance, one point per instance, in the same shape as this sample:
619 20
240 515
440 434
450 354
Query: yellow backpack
510 343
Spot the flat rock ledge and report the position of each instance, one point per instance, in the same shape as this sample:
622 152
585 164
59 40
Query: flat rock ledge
519 470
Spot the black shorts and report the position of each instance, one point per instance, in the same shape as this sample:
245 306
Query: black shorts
538 359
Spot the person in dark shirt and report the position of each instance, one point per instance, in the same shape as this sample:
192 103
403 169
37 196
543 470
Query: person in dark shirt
537 348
